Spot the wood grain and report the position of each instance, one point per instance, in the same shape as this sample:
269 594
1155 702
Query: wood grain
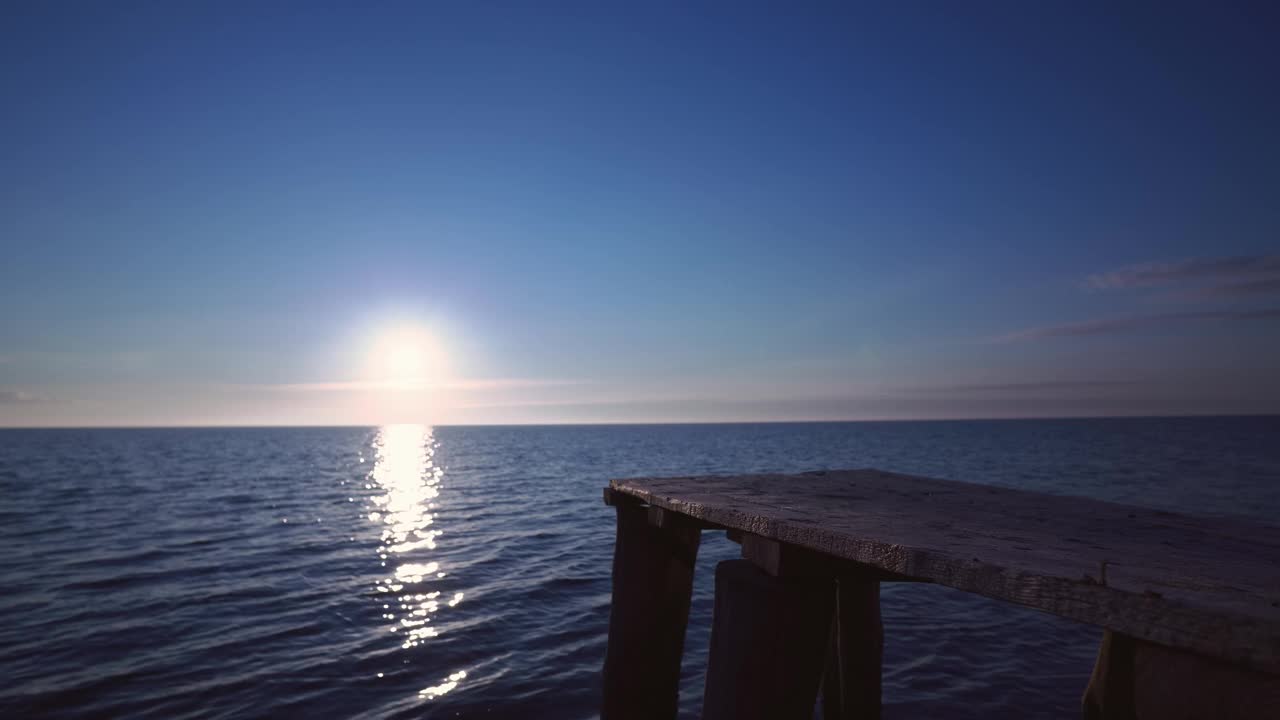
1207 585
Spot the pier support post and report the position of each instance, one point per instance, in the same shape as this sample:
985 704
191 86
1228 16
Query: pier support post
851 684
1135 679
652 586
851 679
769 637
1109 695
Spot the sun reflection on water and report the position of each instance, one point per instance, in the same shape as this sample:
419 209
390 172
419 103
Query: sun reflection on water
407 483
450 683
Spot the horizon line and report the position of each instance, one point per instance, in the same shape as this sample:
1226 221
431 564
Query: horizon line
828 421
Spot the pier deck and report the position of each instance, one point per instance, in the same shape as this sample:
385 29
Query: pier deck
1206 587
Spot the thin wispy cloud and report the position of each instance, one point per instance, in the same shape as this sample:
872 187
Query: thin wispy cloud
18 397
474 384
1137 322
1241 269
1247 289
548 403
1237 279
1018 387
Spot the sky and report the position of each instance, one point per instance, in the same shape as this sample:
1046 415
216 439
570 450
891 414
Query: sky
316 213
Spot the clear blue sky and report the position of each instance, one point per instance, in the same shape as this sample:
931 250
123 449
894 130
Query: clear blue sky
218 213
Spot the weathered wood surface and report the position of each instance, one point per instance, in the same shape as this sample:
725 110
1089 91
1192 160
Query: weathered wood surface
1211 586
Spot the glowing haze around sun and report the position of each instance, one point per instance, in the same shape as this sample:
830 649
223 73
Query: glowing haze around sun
406 356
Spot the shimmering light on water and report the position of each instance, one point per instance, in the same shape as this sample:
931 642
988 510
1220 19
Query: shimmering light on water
444 687
408 483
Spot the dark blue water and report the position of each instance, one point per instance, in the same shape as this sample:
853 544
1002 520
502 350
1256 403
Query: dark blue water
464 572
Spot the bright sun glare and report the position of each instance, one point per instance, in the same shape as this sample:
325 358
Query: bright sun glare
406 355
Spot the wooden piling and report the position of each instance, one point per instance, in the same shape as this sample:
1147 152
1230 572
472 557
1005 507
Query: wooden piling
851 683
1134 680
652 586
768 641
851 679
1109 695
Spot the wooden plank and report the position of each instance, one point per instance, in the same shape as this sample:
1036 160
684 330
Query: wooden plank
1210 586
652 586
782 559
668 520
613 498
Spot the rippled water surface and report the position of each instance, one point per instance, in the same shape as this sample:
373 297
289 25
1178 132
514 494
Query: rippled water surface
410 571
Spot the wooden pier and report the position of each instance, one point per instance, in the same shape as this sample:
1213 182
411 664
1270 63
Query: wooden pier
1190 606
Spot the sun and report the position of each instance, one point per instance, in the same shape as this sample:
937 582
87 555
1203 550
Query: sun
406 355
